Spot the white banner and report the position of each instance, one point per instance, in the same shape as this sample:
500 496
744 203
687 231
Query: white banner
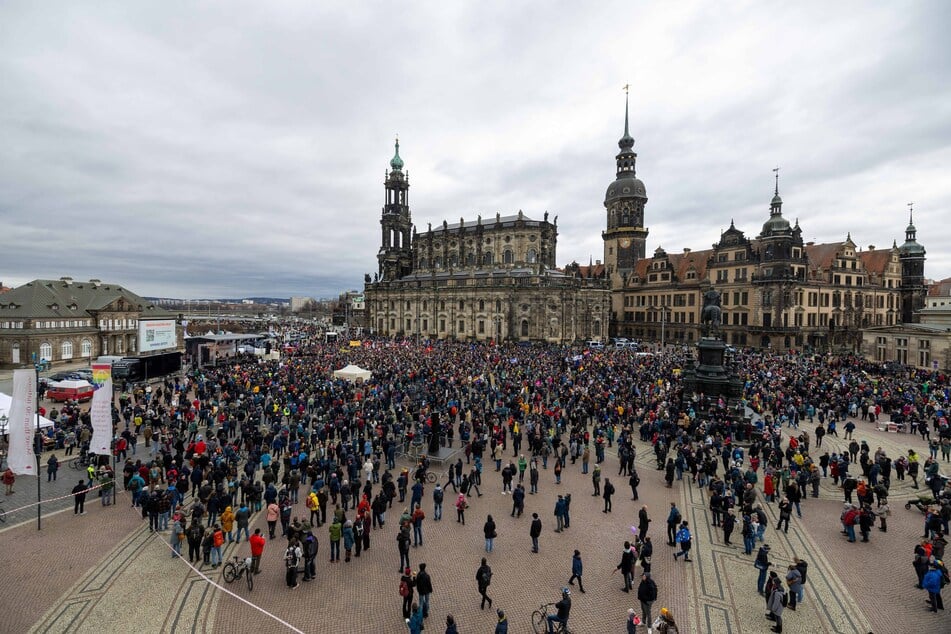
22 425
101 414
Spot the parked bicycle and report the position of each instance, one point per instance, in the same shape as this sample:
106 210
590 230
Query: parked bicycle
236 568
540 620
80 463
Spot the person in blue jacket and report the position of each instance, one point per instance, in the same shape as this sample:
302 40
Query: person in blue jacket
932 583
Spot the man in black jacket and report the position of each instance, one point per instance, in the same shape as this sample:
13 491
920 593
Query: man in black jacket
424 586
646 594
535 531
484 579
627 565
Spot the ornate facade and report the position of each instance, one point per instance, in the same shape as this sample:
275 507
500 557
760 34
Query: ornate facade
487 279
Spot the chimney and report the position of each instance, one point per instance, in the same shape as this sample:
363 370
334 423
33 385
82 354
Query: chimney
597 262
95 283
871 247
809 244
66 280
686 250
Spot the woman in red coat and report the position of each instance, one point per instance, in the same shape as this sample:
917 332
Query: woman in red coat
769 489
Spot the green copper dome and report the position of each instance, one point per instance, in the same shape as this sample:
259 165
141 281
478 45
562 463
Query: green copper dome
396 162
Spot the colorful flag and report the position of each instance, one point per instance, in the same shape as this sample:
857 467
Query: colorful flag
101 416
23 423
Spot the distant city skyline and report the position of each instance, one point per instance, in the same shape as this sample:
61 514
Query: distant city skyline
240 150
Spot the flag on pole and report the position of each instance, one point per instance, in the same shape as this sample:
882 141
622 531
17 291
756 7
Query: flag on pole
101 418
22 423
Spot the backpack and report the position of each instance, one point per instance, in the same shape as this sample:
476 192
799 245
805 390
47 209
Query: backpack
290 557
784 598
404 588
310 546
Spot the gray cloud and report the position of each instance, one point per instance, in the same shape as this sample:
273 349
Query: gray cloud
195 150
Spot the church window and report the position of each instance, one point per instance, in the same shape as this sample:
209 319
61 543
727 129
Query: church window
507 256
531 256
524 327
487 258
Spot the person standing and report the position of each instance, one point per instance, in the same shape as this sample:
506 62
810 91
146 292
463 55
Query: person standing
483 581
257 542
8 479
292 557
627 565
634 481
533 477
79 498
596 480
52 466
576 570
424 586
177 536
762 564
461 505
336 532
608 492
673 521
729 522
785 512
407 584
932 583
438 495
775 604
560 514
794 581
643 523
646 594
535 531
489 530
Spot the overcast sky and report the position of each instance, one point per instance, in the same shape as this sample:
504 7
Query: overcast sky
198 149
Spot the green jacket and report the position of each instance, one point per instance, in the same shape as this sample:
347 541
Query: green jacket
335 531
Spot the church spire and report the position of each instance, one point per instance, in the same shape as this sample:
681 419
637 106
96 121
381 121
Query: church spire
776 206
396 163
627 141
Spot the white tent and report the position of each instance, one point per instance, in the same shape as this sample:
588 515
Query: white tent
5 402
352 373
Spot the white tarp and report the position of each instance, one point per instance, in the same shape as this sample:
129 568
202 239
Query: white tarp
352 373
5 401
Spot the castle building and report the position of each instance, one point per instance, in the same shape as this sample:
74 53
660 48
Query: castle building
777 291
483 279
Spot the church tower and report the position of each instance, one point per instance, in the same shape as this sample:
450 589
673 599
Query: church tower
625 237
912 258
395 256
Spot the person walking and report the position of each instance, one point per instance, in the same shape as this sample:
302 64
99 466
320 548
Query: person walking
336 533
461 505
535 531
596 480
646 594
438 495
576 570
483 581
177 536
489 530
79 498
684 539
608 492
424 586
272 515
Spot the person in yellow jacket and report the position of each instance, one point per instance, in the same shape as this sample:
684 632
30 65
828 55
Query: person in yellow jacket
227 523
313 504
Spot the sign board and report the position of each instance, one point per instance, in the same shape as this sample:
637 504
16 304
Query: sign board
157 335
354 343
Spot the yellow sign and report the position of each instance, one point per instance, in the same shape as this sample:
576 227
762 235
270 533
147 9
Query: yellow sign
355 343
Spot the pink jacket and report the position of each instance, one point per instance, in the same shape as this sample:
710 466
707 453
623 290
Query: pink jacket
273 512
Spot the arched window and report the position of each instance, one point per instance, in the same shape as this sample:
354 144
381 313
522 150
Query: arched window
487 258
85 348
66 350
453 260
470 259
437 263
524 327
46 351
531 256
507 257
481 305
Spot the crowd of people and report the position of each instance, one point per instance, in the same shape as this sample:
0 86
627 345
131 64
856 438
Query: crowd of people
204 452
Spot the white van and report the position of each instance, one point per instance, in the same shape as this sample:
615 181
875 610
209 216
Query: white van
595 345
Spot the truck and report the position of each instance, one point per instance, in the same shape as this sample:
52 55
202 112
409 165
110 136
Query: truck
137 369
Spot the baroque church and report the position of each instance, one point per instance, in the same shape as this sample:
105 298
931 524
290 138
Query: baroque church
497 279
485 279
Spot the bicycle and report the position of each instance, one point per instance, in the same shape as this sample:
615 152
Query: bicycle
236 568
80 463
540 620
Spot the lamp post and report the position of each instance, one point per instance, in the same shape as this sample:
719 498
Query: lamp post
38 440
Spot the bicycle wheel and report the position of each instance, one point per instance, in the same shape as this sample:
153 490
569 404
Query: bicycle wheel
539 622
431 477
250 577
230 572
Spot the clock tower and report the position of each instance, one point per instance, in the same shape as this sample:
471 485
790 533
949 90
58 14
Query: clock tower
625 237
